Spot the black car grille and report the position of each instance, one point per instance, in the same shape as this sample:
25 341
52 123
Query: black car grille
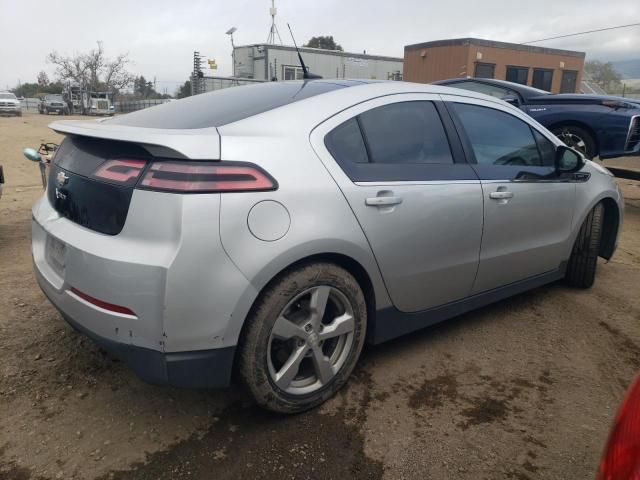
633 139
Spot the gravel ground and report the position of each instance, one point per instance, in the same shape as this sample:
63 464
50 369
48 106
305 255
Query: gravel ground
523 389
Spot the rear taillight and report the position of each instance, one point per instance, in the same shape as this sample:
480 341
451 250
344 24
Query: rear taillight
621 460
206 177
124 171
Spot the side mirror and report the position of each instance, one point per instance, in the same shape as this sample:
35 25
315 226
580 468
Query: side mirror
512 101
568 160
32 155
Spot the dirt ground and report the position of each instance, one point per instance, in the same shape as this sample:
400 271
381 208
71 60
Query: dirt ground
523 389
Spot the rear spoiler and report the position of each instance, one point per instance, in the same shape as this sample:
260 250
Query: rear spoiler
195 144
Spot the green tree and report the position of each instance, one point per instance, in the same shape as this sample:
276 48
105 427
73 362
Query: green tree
323 42
184 90
603 74
31 90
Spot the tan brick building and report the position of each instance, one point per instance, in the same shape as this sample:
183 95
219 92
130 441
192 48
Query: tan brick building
546 68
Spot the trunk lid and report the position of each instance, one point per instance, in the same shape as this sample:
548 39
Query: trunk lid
87 188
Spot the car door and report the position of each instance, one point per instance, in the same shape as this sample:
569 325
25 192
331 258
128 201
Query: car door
417 201
528 209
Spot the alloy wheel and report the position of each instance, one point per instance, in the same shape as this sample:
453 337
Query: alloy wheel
311 340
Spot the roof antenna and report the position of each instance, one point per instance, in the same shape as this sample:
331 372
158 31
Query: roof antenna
305 71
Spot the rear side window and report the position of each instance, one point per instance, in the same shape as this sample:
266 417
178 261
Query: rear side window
498 138
345 143
405 132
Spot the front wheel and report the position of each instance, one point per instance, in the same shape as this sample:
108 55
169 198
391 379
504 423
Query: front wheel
581 270
577 138
303 338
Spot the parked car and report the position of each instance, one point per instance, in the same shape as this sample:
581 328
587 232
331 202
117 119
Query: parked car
53 103
597 125
9 104
274 228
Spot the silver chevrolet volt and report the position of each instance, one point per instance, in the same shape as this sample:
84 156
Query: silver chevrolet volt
271 230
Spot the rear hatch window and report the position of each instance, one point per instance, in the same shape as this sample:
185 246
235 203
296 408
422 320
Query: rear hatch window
228 105
78 191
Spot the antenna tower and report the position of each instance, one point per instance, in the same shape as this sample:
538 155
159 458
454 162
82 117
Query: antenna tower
273 31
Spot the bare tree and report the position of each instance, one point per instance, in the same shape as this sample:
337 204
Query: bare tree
93 70
43 78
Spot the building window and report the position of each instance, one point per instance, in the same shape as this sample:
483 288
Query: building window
542 79
290 72
517 75
569 80
485 70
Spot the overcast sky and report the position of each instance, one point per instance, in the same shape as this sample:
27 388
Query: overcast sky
161 35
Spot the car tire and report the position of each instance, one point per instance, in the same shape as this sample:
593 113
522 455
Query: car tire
577 138
581 270
267 345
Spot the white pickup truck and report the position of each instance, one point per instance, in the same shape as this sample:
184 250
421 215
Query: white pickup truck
9 104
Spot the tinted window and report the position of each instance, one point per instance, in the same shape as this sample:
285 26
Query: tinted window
496 137
491 90
345 143
228 105
547 150
542 79
517 75
405 132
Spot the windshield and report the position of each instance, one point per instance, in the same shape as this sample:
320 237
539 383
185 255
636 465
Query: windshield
53 97
8 96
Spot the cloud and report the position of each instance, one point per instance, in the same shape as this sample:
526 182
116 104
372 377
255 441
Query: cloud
161 35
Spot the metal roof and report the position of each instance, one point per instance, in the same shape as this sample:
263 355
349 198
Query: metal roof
322 51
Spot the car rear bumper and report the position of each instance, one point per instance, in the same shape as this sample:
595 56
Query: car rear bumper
178 288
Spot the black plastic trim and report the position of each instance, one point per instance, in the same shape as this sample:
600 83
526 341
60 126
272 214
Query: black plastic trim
390 322
196 369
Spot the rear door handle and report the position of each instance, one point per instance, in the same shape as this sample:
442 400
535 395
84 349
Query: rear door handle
382 201
501 195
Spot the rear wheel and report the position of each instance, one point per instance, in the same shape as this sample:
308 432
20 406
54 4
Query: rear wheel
303 338
581 270
577 138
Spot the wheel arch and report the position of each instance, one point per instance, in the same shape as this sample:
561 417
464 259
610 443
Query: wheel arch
351 265
610 227
579 124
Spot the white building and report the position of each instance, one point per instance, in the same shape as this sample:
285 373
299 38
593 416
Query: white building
266 62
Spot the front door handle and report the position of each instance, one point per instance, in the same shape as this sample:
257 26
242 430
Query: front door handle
501 195
382 201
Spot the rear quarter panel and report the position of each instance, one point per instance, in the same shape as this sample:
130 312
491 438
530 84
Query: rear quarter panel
321 221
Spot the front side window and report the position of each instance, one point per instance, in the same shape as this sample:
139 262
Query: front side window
547 150
404 133
498 138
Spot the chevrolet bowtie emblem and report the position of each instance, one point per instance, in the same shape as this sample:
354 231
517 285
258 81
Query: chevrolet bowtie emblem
61 179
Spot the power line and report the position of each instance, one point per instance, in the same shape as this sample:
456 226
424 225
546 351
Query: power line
584 33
